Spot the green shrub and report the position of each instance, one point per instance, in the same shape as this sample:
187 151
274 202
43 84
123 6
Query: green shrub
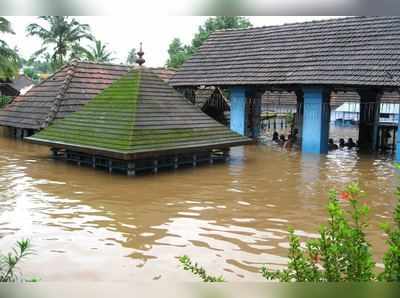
8 263
197 270
391 258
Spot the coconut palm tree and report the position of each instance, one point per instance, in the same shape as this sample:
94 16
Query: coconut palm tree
131 59
98 53
61 37
8 57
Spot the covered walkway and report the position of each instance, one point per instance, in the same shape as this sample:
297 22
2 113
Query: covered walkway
313 60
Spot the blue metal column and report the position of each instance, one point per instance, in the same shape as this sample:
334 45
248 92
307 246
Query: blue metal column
238 110
315 130
397 157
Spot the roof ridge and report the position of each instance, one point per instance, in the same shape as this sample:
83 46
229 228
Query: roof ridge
303 23
60 96
104 63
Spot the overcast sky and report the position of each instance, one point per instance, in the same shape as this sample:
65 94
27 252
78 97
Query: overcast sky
123 32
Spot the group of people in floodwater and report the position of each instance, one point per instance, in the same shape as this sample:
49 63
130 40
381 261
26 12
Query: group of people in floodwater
292 139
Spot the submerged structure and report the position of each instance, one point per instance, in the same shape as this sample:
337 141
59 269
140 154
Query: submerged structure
138 123
311 60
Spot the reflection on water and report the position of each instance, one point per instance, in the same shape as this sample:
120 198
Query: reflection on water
232 218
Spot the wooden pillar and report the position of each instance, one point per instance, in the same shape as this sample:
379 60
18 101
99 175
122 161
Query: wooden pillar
110 166
155 166
369 119
176 162
25 133
94 162
211 160
299 115
194 160
256 98
131 170
54 152
18 133
226 154
316 117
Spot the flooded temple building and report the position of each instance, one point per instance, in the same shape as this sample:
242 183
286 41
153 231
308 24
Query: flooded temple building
312 61
138 123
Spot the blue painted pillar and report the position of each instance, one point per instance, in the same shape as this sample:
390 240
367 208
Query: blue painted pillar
397 157
238 110
315 129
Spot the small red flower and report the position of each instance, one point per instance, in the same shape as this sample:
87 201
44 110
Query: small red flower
344 195
315 258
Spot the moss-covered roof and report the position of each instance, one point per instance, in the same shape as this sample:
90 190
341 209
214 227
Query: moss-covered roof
138 114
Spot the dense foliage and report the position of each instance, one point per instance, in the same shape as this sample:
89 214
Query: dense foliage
342 252
179 53
61 37
8 56
132 56
391 258
9 262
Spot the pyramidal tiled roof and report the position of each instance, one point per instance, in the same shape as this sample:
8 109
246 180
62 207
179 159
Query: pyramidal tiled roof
136 115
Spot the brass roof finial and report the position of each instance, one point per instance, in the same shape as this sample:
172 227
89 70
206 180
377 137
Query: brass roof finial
140 60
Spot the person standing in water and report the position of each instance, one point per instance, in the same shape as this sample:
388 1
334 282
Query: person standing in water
332 145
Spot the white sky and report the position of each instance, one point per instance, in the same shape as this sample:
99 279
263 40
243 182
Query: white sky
123 32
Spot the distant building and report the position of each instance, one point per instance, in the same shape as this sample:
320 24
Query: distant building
18 86
349 113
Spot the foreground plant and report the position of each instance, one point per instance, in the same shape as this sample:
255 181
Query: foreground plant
391 258
8 263
199 271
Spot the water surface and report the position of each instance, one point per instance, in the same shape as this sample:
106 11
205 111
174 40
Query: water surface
87 225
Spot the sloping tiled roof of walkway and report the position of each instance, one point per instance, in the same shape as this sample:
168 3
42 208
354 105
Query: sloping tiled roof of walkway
356 51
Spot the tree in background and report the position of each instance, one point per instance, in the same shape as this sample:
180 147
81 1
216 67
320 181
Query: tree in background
8 57
179 53
131 59
60 37
98 53
37 68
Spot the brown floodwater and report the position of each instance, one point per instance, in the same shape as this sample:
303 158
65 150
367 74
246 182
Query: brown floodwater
88 225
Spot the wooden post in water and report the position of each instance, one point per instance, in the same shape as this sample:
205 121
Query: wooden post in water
211 160
155 166
131 169
94 162
54 152
110 166
194 160
176 162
